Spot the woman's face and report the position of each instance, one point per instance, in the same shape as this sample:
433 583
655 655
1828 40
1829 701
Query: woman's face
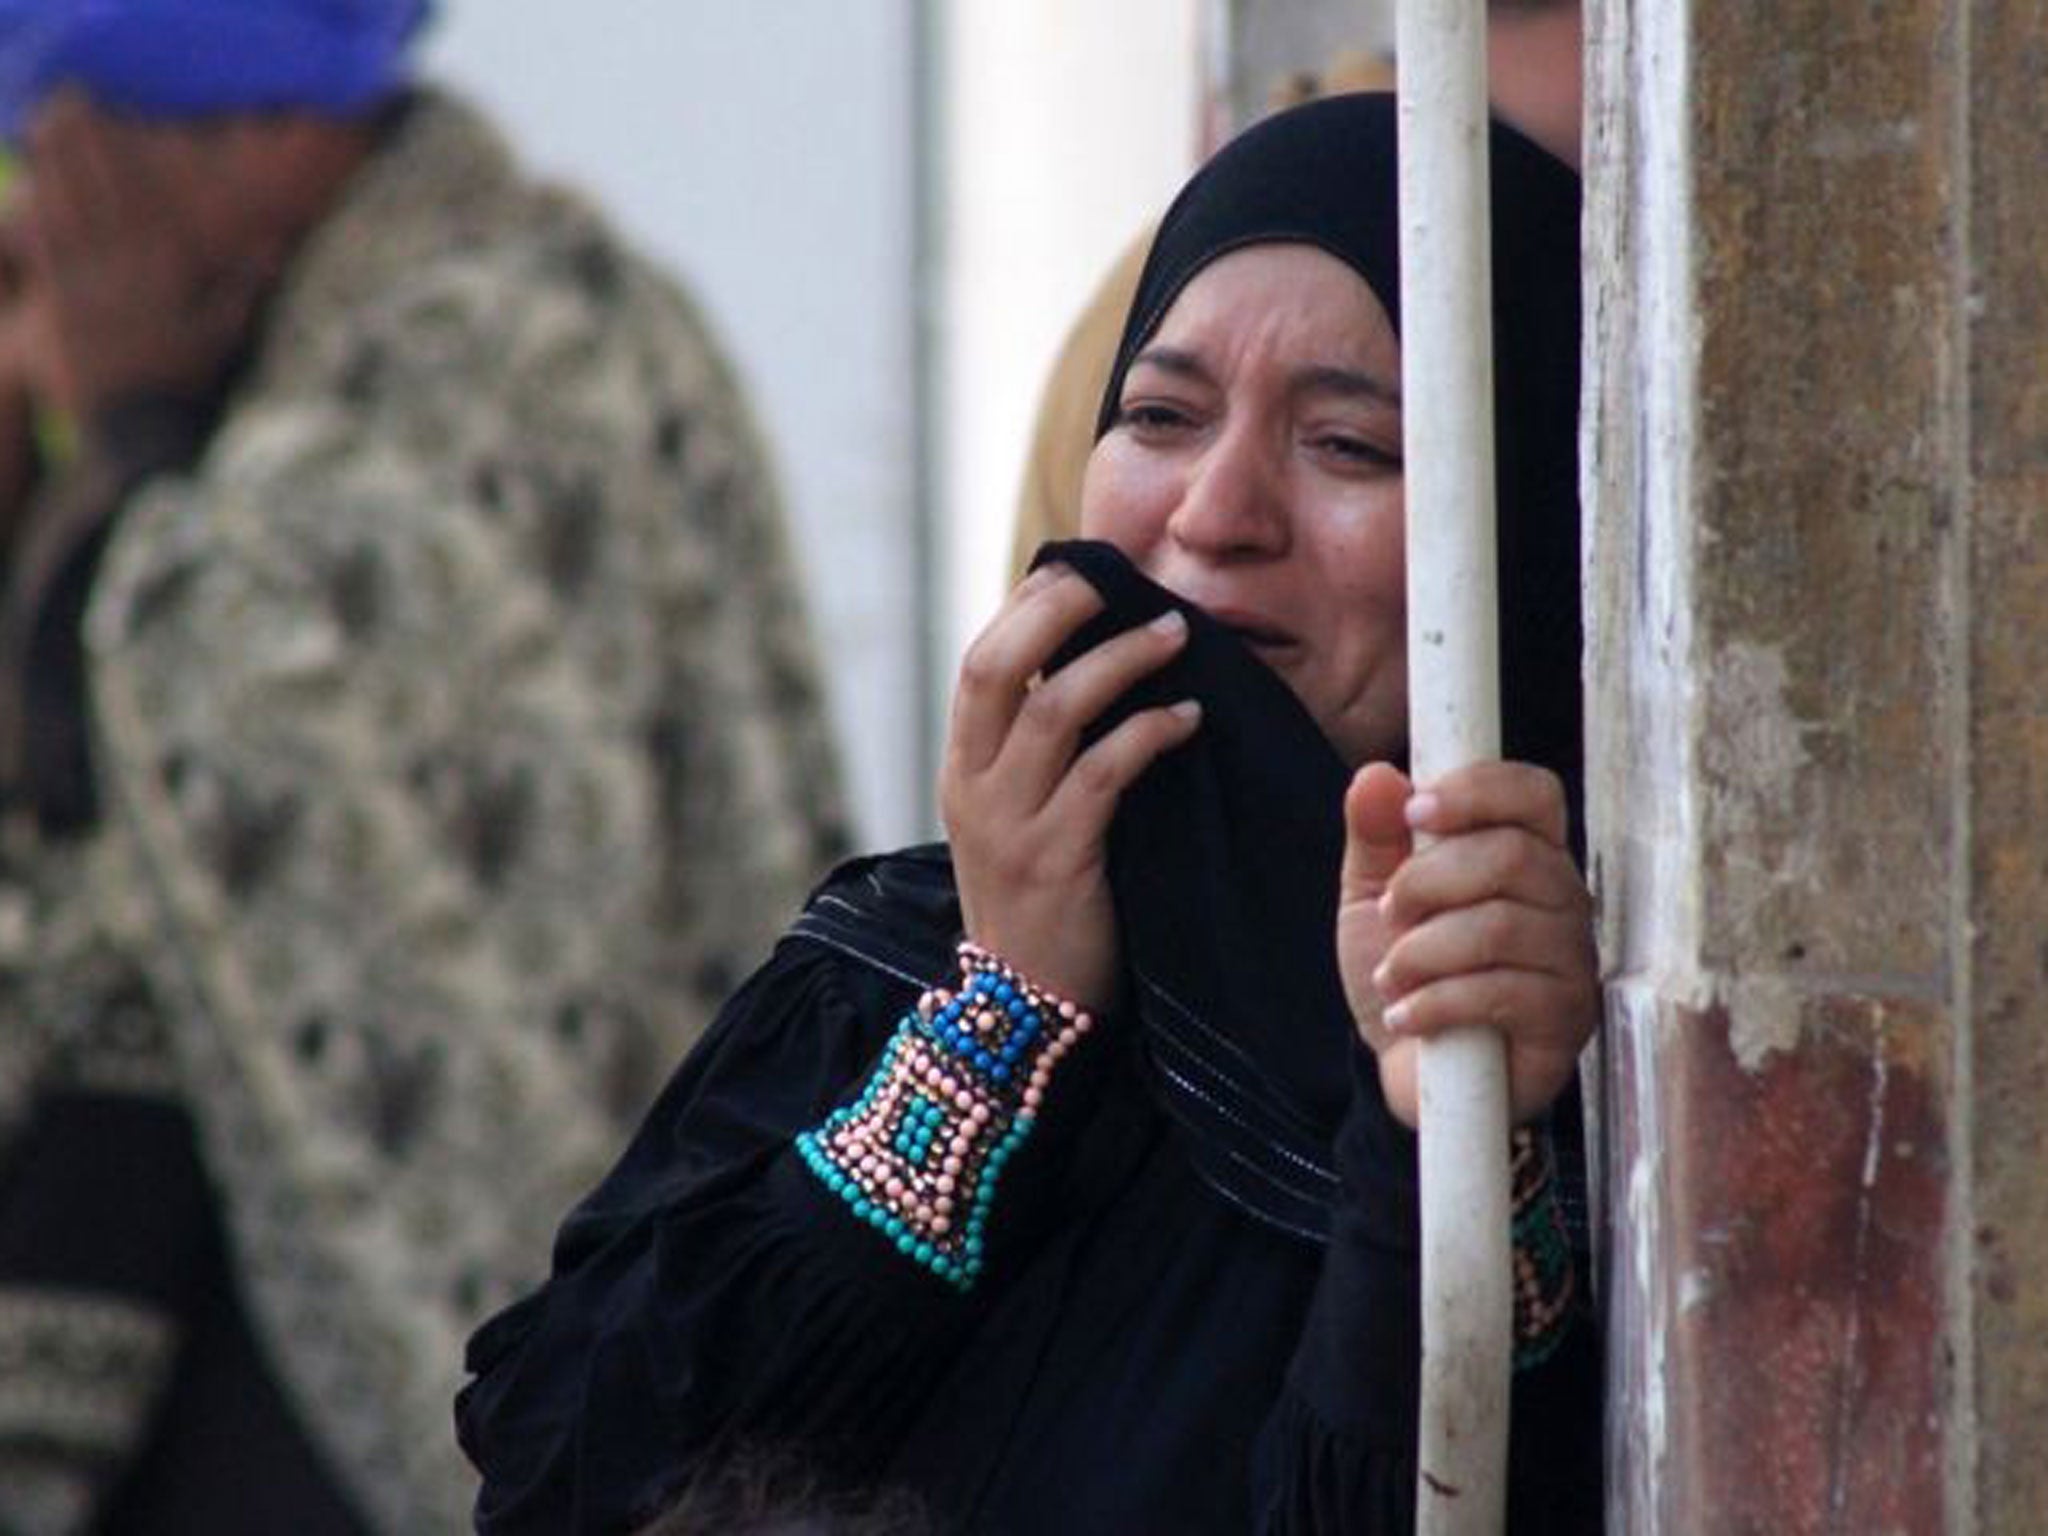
1255 470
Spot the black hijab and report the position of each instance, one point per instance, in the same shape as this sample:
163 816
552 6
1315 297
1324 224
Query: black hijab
1324 174
1224 858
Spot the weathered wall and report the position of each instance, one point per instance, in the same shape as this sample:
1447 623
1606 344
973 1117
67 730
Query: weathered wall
2004 286
1818 492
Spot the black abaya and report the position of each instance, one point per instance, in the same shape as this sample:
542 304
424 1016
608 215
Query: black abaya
1162 1341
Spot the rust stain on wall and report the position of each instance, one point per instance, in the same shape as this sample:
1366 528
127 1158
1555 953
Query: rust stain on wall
1800 1261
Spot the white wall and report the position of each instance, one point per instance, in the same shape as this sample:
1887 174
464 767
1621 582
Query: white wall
1070 123
762 150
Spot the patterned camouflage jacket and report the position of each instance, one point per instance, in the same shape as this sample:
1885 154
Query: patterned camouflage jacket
459 747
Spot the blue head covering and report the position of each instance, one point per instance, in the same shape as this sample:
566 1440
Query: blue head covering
187 58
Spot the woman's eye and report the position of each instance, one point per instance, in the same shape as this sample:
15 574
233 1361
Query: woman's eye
1351 449
1143 416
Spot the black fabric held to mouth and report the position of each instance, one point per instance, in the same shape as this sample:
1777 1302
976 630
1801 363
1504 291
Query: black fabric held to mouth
1224 860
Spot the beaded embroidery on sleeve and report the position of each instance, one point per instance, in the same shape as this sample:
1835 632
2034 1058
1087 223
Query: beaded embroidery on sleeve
1546 1279
919 1154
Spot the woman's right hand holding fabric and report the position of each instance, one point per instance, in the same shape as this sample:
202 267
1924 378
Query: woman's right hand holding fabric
1027 808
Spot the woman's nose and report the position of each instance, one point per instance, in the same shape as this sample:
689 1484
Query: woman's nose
1234 503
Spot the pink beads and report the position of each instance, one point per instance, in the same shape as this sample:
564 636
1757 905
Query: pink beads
955 1095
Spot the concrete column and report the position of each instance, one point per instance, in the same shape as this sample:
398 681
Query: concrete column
2002 1253
1818 510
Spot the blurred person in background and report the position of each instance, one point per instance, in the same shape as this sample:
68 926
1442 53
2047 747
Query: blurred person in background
408 733
1536 74
770 1494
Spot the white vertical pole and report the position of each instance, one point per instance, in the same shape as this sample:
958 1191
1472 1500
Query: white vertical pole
1454 718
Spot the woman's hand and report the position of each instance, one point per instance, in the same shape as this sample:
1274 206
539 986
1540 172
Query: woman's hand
137 304
1027 811
1489 923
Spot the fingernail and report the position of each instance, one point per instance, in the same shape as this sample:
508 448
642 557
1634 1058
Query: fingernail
1380 977
1421 809
1386 904
1188 709
1171 622
1396 1018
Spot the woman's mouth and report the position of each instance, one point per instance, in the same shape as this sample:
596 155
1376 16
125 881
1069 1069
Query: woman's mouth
1255 630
